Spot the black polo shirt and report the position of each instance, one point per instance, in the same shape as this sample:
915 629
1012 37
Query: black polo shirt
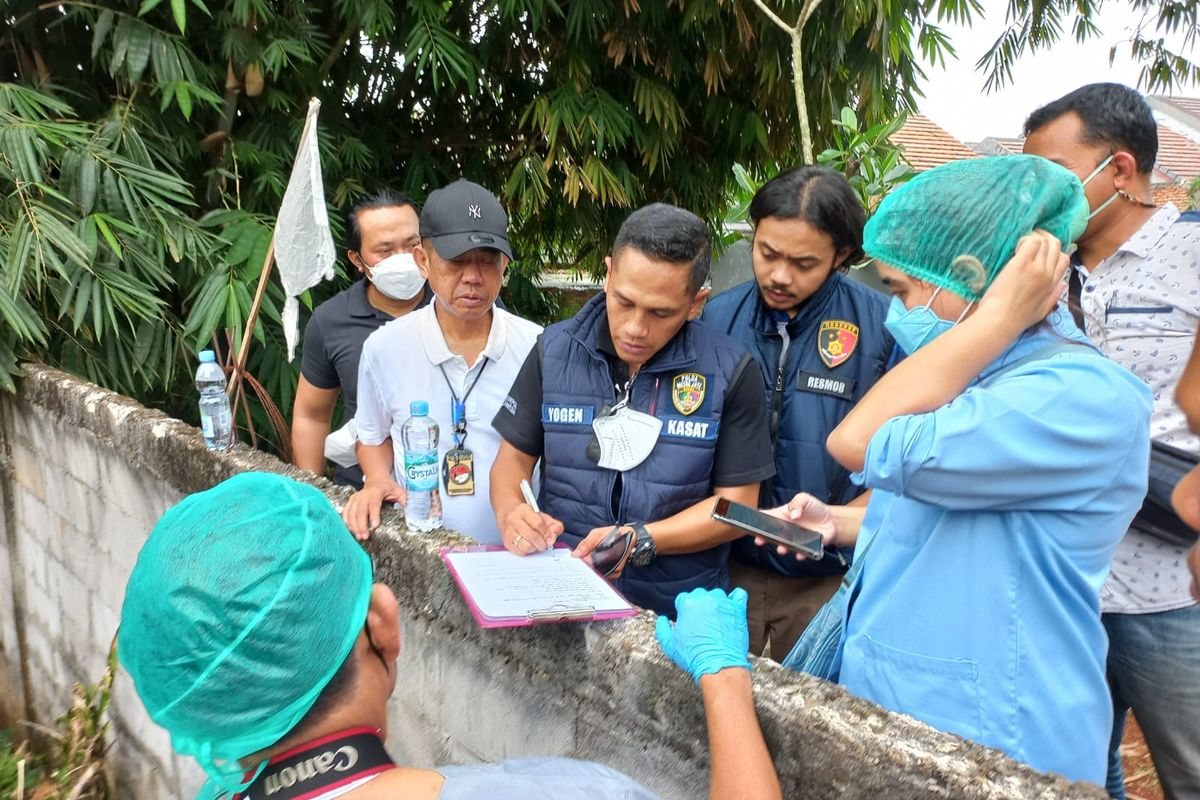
333 340
743 453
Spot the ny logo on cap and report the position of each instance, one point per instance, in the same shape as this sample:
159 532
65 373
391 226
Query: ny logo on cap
474 211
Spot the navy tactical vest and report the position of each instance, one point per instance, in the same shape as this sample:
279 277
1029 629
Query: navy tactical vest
684 385
837 350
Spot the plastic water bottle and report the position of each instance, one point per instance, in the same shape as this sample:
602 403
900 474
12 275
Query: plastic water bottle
215 417
423 507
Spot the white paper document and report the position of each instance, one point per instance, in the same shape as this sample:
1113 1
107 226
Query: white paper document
503 586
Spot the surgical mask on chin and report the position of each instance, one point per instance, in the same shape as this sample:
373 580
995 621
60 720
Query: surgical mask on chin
913 328
397 277
626 437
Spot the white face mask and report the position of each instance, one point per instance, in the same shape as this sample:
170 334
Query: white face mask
626 437
397 277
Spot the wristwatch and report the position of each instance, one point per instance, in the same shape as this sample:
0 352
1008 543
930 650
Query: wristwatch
643 551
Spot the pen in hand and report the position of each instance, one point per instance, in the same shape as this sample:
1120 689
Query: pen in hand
527 493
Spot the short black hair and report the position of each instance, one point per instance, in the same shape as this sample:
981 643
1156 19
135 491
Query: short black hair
822 198
1112 115
669 233
335 694
383 198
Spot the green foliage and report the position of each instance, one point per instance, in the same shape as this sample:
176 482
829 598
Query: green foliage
871 163
145 144
68 761
1039 24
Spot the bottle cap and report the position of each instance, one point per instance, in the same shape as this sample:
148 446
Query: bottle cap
207 356
418 408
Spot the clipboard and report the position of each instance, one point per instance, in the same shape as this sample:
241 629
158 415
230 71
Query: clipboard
522 598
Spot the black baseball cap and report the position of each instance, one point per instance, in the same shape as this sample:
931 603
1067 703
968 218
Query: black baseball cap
462 217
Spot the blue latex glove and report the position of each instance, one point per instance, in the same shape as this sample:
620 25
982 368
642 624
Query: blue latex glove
710 633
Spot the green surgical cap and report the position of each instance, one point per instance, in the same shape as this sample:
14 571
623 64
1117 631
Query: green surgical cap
957 225
245 601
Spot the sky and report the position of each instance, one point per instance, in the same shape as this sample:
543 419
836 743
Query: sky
954 96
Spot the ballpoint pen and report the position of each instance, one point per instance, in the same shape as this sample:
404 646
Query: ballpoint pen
527 493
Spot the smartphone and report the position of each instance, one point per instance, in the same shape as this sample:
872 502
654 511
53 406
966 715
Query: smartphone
773 529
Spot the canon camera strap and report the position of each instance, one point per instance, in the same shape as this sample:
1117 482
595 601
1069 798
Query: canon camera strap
320 766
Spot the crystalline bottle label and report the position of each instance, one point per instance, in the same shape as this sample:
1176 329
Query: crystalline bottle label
421 472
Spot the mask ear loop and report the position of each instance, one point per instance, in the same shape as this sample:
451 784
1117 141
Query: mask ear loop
961 316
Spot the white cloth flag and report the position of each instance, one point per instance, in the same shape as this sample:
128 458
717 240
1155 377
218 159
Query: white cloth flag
303 244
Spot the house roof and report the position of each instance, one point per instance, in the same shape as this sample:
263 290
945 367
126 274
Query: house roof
1186 105
926 145
1178 156
1013 144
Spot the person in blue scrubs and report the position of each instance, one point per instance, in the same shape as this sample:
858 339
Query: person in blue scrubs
1006 458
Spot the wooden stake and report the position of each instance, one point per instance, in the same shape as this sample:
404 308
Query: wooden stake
244 351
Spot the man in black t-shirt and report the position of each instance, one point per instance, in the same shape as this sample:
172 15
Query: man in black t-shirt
382 232
640 415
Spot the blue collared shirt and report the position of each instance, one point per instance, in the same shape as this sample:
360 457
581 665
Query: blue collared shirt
991 529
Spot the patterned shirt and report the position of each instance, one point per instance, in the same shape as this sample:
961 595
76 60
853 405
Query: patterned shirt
1141 306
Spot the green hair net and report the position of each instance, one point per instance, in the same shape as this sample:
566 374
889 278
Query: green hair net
245 601
957 225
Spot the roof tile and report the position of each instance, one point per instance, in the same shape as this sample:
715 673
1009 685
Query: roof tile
1177 154
926 145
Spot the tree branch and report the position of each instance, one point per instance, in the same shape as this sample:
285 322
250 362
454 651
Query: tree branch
796 33
771 15
807 11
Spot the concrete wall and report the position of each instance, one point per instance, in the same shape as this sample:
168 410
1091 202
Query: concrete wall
85 473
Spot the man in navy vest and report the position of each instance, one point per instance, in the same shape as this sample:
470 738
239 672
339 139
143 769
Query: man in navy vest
640 415
818 337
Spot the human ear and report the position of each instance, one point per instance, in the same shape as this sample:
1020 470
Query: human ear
839 259
421 256
383 621
1125 169
698 302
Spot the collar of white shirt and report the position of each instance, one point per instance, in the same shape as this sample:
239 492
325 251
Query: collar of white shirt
435 341
1151 232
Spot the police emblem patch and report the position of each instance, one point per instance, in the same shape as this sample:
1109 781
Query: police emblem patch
836 341
687 391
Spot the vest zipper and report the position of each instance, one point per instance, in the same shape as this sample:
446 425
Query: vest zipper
776 405
617 491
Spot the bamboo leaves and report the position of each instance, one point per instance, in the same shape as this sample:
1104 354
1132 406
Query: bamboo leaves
435 51
84 213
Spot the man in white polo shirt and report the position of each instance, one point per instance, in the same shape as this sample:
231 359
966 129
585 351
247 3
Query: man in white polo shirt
459 353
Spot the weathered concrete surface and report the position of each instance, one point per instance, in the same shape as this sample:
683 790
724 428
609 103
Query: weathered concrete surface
85 475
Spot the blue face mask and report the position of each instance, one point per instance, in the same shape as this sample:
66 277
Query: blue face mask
913 328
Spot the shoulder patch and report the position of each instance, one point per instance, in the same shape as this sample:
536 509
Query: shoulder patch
687 392
836 340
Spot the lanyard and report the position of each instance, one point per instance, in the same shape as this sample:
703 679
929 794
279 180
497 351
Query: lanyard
320 766
458 408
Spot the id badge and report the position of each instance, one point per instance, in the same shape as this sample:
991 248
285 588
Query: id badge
458 472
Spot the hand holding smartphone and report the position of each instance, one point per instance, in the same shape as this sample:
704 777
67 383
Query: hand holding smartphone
779 531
